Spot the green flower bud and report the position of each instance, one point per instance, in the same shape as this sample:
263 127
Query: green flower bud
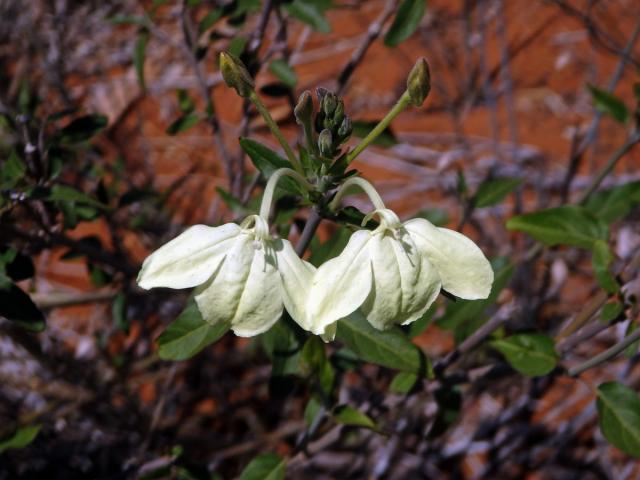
346 127
338 114
325 143
419 82
329 104
304 108
235 74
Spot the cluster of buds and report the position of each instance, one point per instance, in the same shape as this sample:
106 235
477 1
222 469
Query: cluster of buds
332 125
329 128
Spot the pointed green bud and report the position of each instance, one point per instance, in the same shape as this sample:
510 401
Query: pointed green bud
325 143
235 74
419 82
338 114
346 127
304 108
329 104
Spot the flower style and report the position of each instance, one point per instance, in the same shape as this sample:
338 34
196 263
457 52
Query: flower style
244 277
394 273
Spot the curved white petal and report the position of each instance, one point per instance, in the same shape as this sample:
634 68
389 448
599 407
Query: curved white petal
341 284
297 278
404 282
245 291
464 270
189 259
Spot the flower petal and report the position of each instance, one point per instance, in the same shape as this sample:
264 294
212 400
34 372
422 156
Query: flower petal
404 282
341 284
245 291
189 259
297 278
464 270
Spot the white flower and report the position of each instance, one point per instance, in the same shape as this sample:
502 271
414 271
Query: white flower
243 276
394 273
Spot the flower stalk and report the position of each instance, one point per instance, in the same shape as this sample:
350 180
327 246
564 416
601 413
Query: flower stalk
267 197
371 192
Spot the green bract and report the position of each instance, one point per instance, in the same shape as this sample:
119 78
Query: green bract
394 273
242 275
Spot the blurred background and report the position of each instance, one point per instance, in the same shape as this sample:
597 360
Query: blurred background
121 104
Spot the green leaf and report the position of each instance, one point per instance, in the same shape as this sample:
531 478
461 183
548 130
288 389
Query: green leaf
390 348
209 19
307 11
185 102
13 170
267 466
403 383
532 354
83 128
127 20
119 312
615 203
16 306
313 361
611 310
565 225
608 103
21 438
183 123
267 162
619 414
284 72
494 191
350 416
386 139
69 194
237 45
188 334
139 51
632 349
406 22
601 260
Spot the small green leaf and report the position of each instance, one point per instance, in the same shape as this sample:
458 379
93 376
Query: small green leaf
495 191
83 128
350 416
619 414
185 102
608 103
284 72
119 312
615 203
390 348
237 45
16 306
307 11
565 225
188 334
183 123
532 354
13 170
403 383
267 162
127 20
69 194
601 260
267 466
21 438
610 311
139 51
406 22
209 19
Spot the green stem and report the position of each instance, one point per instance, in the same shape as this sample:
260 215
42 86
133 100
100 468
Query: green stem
606 355
273 126
606 170
267 196
398 108
371 192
